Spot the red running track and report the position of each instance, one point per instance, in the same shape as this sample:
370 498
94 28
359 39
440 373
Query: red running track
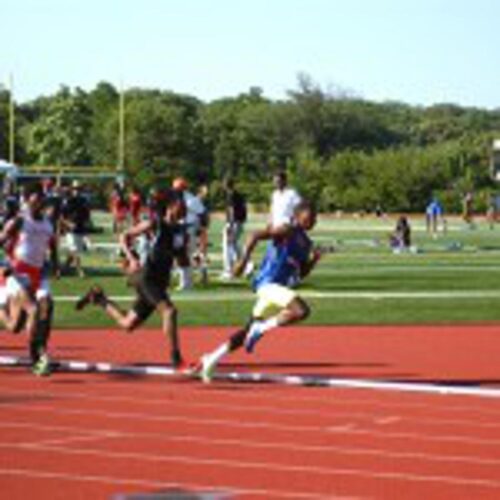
98 436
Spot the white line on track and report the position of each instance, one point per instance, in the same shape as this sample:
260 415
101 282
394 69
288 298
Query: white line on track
265 425
97 434
72 439
254 377
477 410
161 485
260 409
238 296
272 466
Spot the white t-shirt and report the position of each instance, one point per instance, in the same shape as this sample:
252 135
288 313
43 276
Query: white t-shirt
283 204
33 242
194 208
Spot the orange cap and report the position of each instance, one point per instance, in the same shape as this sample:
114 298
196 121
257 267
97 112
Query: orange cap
179 184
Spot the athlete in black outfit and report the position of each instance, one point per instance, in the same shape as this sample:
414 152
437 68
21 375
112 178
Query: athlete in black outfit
151 280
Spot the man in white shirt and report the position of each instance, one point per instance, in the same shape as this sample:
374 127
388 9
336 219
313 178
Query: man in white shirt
194 211
283 201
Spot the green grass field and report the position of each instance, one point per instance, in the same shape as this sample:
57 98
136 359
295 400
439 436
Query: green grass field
455 278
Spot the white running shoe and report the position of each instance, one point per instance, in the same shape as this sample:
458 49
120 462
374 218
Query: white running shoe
207 369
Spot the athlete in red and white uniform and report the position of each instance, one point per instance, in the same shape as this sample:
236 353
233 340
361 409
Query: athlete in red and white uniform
34 236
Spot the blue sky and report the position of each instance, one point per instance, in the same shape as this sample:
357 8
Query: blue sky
417 51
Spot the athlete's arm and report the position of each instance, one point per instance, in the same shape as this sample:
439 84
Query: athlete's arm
306 269
54 256
269 233
10 230
126 239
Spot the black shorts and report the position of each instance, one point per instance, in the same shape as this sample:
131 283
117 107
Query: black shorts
149 294
204 220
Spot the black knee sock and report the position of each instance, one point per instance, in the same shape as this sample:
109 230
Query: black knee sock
237 339
40 340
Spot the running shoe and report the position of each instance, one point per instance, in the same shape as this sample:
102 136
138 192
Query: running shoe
95 295
207 369
42 367
177 361
254 334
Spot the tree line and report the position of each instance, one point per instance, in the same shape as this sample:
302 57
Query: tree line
344 152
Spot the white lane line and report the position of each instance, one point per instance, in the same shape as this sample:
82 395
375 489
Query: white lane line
394 419
292 380
245 425
219 490
272 466
367 294
260 409
447 405
72 439
253 443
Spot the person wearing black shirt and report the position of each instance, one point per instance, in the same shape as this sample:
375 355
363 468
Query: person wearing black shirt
76 215
236 216
151 279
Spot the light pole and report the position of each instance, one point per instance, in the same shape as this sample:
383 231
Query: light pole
12 136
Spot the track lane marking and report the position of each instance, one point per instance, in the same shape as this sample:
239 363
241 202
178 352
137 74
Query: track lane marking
189 460
239 424
160 484
286 445
378 419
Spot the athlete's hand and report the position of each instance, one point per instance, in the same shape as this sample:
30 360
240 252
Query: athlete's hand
133 266
238 268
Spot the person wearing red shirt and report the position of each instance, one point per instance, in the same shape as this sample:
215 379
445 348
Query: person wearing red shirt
135 205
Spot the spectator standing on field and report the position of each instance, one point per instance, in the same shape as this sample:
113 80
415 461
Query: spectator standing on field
119 208
236 216
194 211
283 201
75 218
434 215
201 255
467 203
135 205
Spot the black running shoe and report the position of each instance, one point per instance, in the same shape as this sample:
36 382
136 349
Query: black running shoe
95 295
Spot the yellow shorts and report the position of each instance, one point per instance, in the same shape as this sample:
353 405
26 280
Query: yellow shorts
271 298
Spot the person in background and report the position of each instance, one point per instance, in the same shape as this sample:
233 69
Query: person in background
118 207
492 210
467 208
236 216
11 201
194 210
75 217
434 215
135 205
284 199
400 239
201 254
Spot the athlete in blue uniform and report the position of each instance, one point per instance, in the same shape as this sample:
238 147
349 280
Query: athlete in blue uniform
433 213
289 257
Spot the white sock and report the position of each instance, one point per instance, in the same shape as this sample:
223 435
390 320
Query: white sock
219 353
269 324
185 278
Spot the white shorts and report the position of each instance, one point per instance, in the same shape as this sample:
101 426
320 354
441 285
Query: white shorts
16 284
75 243
271 298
